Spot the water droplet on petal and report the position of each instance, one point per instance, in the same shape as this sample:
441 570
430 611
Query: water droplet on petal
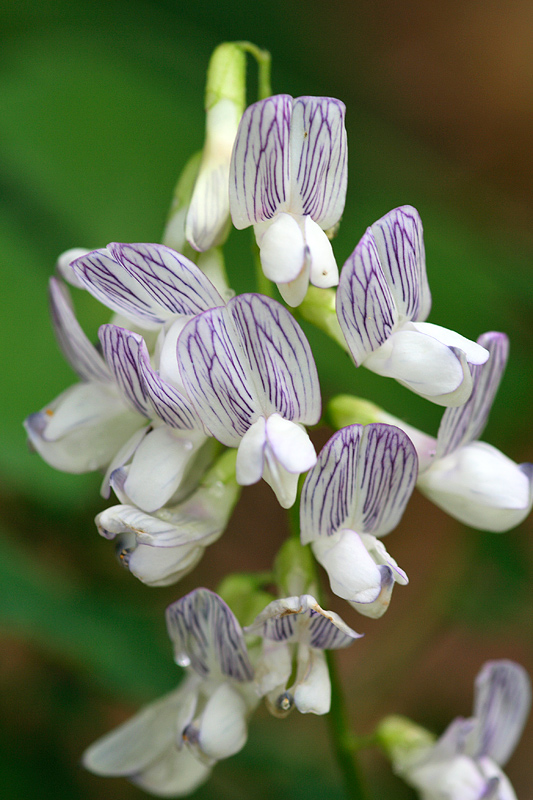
183 660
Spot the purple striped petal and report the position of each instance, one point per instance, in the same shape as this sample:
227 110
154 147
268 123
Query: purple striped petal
362 481
465 424
172 280
301 619
318 159
121 352
207 637
400 245
146 282
280 358
78 350
248 360
365 306
215 377
259 184
168 403
501 707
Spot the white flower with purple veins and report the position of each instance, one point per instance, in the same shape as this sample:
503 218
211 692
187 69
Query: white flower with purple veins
154 463
382 301
169 747
297 629
83 429
161 548
288 179
250 374
465 762
358 491
469 479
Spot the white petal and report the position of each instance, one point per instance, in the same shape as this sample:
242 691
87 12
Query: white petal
208 214
81 354
166 352
159 466
63 265
457 779
282 249
122 456
312 692
379 554
223 729
323 267
294 292
175 774
501 706
352 573
462 425
162 566
479 486
475 353
250 455
273 668
82 429
283 483
423 364
132 747
491 771
376 608
290 443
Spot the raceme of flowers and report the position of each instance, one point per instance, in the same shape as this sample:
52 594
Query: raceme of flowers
193 393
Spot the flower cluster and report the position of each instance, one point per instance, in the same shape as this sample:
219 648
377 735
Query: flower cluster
193 393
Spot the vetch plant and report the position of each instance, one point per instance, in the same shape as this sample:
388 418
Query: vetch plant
193 392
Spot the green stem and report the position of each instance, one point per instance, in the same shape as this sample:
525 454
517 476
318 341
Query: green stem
344 743
263 63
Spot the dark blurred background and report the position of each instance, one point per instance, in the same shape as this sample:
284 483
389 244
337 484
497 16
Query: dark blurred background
101 105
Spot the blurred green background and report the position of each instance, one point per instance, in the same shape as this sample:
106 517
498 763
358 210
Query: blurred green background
101 105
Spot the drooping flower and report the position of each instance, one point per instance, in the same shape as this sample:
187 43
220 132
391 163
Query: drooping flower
169 747
288 179
83 429
382 301
356 492
161 548
465 763
469 479
297 629
250 374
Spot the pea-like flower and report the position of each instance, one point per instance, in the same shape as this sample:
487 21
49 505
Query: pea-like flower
382 301
357 491
297 629
83 429
250 375
288 179
469 479
162 547
169 747
465 763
